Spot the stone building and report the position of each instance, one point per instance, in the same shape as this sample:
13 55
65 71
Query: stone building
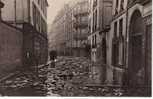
139 36
11 41
80 34
129 42
121 43
70 29
117 42
58 31
31 17
100 20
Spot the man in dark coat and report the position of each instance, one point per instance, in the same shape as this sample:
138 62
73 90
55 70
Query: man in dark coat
53 56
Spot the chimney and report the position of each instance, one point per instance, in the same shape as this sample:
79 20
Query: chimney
1 6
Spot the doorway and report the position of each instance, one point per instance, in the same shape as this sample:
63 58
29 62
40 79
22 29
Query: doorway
135 53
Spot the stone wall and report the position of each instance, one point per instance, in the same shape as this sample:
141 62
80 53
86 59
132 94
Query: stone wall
10 49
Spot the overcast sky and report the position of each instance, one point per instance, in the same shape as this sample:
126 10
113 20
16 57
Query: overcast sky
54 7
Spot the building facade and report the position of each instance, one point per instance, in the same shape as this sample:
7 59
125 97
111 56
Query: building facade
100 20
129 43
59 32
70 29
80 34
11 41
31 17
117 43
121 43
139 35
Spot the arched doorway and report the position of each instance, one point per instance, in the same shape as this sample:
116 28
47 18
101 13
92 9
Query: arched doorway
136 61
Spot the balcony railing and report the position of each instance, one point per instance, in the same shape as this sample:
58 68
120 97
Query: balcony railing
81 13
81 24
132 2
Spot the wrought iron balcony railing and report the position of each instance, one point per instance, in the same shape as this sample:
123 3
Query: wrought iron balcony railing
132 2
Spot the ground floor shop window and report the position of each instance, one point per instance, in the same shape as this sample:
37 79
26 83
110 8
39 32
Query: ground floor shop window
115 52
121 52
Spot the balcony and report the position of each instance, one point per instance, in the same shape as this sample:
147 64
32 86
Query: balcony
81 24
132 2
81 13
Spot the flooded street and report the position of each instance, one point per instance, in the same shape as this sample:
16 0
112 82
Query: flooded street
68 78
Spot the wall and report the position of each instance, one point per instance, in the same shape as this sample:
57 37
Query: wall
10 49
116 71
39 16
8 12
24 13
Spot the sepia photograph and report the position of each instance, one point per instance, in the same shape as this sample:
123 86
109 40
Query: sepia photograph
76 48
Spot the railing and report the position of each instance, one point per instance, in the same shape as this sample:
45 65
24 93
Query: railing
81 13
81 24
132 2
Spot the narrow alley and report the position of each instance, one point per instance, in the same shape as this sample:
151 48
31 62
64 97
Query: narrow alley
76 48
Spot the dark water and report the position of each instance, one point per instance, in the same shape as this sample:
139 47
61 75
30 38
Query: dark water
26 91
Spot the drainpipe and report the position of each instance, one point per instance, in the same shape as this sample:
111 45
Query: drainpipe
1 6
15 11
127 38
126 49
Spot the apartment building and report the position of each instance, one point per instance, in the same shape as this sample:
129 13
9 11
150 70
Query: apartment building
117 43
139 36
59 30
71 29
11 41
100 21
129 42
80 34
31 17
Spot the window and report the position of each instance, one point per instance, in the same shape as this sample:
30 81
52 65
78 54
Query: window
116 7
92 40
117 3
121 43
122 5
94 4
95 40
95 21
115 29
39 2
121 27
34 14
115 47
115 53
